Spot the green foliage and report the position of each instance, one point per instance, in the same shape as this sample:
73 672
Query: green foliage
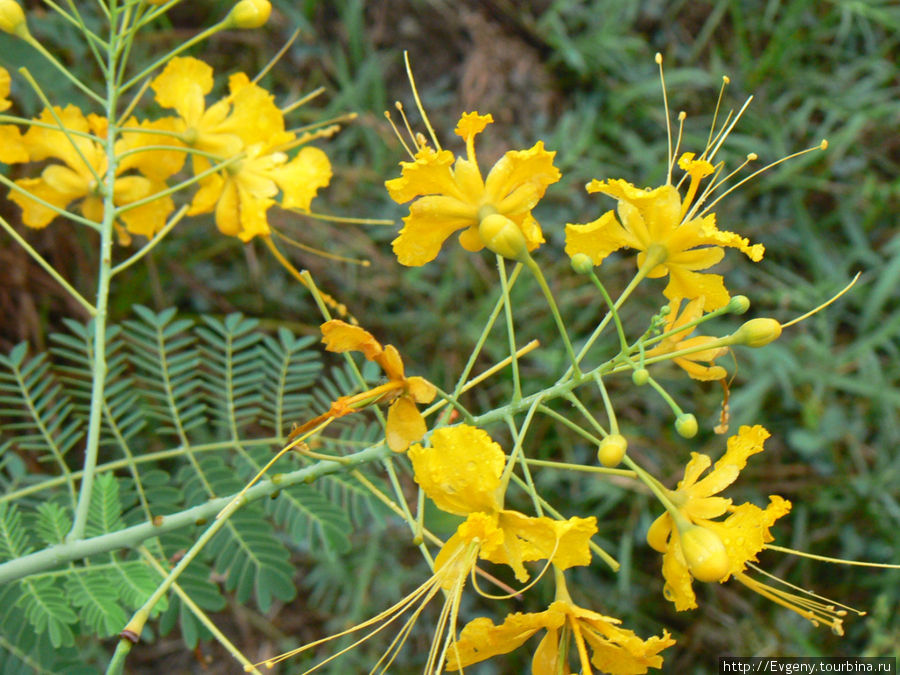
218 394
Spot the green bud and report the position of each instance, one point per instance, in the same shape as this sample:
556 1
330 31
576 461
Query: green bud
738 304
640 377
686 425
582 263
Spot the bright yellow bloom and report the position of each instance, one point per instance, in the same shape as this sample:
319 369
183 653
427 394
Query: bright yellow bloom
693 310
242 193
248 115
614 650
248 128
454 197
658 219
745 531
405 423
461 473
75 179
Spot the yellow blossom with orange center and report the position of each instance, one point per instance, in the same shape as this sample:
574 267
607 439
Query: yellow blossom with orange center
682 240
613 650
461 473
745 531
405 423
450 195
83 160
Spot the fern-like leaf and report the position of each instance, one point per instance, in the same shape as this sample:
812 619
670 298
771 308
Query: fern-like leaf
290 369
52 523
31 394
163 350
97 600
231 371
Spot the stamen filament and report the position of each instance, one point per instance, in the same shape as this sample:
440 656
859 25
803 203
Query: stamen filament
412 83
390 120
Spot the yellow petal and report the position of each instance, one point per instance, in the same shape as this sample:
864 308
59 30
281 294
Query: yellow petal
405 424
746 531
421 390
155 164
566 543
5 81
34 214
686 284
149 218
391 363
471 124
428 174
480 639
254 117
12 145
658 534
598 239
748 441
302 177
678 587
228 210
430 222
461 471
619 651
207 196
532 167
182 85
339 336
546 656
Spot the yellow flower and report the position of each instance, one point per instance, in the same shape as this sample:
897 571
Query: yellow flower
744 533
242 193
682 240
614 650
247 127
405 423
246 116
454 197
461 473
75 179
693 310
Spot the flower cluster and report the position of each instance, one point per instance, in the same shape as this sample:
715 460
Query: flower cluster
239 147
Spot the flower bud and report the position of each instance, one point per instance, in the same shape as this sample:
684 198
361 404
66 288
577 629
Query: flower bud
738 304
686 425
582 263
640 376
12 19
503 237
705 554
612 449
757 333
249 14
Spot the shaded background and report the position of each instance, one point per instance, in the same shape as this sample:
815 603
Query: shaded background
580 76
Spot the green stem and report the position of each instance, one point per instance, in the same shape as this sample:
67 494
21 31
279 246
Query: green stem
665 396
561 326
654 257
98 376
610 411
661 493
510 329
623 342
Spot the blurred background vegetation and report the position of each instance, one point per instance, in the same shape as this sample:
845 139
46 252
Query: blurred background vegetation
579 75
